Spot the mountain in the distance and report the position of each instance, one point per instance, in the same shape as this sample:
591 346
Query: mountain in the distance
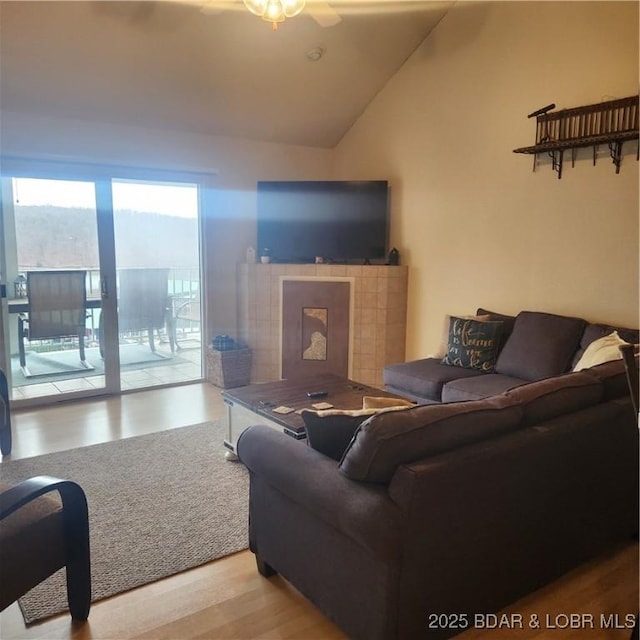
66 238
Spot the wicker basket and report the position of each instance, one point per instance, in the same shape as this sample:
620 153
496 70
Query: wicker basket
229 369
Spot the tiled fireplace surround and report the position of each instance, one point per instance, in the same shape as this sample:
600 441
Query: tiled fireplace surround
378 308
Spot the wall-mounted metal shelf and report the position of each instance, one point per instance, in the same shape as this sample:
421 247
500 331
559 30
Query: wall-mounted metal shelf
614 123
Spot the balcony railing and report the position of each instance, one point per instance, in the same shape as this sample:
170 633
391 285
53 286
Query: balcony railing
183 285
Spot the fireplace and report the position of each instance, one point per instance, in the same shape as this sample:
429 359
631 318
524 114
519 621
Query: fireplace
315 327
345 319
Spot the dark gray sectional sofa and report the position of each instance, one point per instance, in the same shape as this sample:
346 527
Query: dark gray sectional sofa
534 345
446 511
440 513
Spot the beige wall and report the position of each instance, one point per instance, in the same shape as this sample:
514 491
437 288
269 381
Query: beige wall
230 206
474 224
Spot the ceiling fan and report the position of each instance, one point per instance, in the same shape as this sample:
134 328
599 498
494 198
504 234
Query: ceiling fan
326 14
274 11
142 13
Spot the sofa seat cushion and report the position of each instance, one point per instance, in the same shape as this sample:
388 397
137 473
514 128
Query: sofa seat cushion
32 543
478 388
387 440
540 346
547 399
423 378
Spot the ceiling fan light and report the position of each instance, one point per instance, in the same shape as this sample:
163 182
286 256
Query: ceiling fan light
274 12
292 8
257 7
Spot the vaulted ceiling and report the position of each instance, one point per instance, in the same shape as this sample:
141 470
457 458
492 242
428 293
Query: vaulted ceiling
171 65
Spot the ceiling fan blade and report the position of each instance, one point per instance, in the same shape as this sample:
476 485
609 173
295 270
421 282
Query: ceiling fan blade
133 12
212 7
323 13
207 6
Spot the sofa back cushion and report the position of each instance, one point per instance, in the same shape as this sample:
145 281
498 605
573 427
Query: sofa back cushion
330 431
601 350
594 332
540 346
507 323
387 440
553 397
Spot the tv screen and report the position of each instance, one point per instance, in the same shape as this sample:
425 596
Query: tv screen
337 221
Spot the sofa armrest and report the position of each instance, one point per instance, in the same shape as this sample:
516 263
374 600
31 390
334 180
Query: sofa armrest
313 481
18 495
76 534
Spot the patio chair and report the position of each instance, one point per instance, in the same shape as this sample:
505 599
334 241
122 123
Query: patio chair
143 302
57 302
187 311
40 535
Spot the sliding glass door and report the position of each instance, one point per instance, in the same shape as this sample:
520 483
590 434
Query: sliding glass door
158 282
53 276
104 284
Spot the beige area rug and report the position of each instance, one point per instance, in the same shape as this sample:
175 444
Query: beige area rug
158 504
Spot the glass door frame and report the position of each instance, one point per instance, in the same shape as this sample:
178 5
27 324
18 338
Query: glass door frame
101 176
4 294
108 292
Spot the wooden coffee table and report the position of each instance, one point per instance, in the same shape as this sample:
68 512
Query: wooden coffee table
255 404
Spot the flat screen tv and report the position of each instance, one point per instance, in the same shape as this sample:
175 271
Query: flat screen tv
344 221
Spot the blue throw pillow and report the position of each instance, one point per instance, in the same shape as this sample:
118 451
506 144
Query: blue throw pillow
473 344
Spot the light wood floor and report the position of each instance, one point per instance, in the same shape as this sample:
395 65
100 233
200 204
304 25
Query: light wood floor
228 599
